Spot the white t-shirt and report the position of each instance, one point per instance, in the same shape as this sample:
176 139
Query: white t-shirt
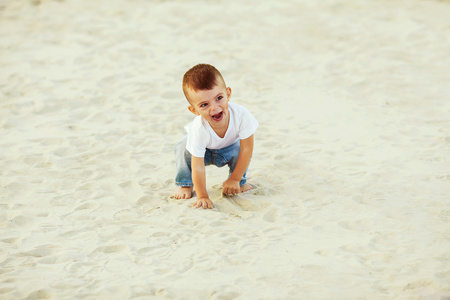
201 136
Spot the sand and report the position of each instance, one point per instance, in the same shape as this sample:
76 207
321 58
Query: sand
351 158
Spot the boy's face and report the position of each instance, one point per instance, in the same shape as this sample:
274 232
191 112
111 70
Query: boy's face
212 105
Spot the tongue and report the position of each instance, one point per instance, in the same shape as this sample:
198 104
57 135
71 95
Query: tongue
217 116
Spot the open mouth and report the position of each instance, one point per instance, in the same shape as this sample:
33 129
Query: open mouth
218 117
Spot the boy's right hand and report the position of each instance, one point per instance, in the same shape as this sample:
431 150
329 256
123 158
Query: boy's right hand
204 202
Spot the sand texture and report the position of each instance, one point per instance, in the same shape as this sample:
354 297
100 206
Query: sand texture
351 161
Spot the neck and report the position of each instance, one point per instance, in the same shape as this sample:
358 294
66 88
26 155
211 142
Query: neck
221 130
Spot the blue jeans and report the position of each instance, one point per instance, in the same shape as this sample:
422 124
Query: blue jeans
220 157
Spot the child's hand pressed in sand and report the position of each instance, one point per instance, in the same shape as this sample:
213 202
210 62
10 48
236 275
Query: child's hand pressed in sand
204 202
231 187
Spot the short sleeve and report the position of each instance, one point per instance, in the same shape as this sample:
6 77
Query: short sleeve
248 123
197 139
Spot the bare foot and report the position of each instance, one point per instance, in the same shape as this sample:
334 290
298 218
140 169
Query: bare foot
246 187
184 192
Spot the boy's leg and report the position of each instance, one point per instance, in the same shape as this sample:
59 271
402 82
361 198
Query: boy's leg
183 176
183 164
230 155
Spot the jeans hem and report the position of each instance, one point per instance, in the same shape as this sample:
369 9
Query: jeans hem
184 184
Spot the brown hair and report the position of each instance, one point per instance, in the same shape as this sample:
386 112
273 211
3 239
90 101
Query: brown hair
201 77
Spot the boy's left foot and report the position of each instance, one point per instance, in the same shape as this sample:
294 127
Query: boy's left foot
246 187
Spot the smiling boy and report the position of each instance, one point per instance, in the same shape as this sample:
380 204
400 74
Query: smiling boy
221 134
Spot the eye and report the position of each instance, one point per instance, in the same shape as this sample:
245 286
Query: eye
203 105
219 98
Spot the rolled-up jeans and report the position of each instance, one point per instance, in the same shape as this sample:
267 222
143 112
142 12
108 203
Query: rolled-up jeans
219 157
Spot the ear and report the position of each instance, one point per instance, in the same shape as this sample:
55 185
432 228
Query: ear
228 93
192 110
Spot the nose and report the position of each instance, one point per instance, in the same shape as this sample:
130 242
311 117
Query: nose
214 106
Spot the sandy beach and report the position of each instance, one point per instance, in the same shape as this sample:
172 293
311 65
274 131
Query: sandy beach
351 161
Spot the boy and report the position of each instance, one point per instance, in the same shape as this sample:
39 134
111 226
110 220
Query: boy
222 133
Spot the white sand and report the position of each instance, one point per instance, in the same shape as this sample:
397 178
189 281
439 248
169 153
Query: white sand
351 161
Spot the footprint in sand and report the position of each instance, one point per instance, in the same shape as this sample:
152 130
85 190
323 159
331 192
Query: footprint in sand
117 265
222 295
88 205
80 269
154 251
148 201
64 284
108 250
186 266
19 221
244 205
326 252
126 215
189 222
41 251
271 216
228 238
358 225
4 291
40 294
12 241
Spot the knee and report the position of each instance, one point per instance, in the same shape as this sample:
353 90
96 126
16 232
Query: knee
181 145
234 153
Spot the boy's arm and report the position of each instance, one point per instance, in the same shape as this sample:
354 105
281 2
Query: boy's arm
199 179
231 185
